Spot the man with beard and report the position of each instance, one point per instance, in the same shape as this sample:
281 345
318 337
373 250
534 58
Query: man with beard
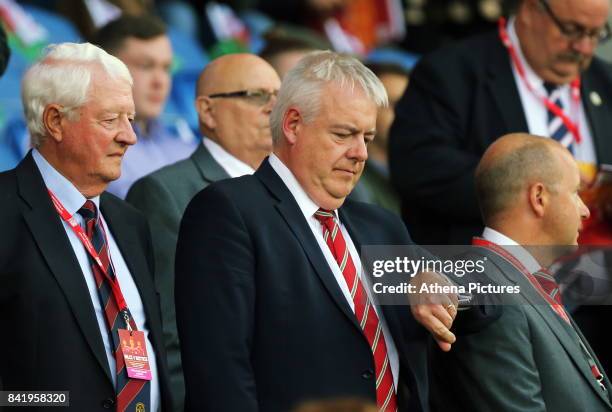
235 95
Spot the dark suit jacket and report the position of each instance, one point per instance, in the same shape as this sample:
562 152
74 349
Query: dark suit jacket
461 98
50 338
263 324
528 360
163 196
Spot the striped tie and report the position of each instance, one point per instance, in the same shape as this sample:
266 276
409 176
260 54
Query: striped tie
556 128
132 394
549 284
364 311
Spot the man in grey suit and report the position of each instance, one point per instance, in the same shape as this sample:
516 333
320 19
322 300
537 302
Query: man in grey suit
534 357
235 94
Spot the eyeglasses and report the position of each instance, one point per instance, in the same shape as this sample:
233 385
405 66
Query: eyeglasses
575 32
259 97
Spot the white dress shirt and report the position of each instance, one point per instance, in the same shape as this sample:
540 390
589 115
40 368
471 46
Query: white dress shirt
537 114
73 200
519 252
231 164
308 208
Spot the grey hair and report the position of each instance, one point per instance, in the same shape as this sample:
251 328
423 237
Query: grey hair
498 184
63 76
301 87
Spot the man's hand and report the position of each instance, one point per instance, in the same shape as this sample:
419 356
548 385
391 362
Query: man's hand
435 311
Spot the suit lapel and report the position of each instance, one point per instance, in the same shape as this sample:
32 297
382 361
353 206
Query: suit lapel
134 254
291 213
502 87
50 236
553 321
210 170
598 116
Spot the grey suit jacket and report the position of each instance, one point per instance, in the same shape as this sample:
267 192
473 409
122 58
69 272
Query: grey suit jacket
528 360
163 197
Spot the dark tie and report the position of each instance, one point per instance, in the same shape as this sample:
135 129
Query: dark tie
549 284
556 128
364 311
132 394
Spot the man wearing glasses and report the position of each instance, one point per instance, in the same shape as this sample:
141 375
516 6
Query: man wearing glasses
536 73
235 95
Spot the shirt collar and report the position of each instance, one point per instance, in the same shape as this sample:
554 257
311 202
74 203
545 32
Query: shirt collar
305 203
62 188
516 250
530 75
231 164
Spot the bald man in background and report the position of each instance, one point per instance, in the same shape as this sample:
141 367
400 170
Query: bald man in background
234 97
534 357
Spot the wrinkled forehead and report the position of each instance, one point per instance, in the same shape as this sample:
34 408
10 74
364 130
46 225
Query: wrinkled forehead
588 13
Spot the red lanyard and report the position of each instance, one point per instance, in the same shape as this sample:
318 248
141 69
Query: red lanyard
574 85
477 241
78 230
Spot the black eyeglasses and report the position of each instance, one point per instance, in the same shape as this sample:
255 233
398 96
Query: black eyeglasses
257 96
575 32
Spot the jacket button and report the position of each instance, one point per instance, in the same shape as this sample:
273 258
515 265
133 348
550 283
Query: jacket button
367 374
108 403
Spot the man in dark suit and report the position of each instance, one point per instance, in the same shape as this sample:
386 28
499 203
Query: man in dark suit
534 357
464 96
76 263
236 139
272 304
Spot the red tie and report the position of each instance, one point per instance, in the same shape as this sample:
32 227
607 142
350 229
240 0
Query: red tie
364 311
549 284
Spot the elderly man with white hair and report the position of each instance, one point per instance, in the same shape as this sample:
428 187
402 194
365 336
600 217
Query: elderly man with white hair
77 301
272 305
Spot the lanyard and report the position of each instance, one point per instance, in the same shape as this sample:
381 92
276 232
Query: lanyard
551 106
480 242
78 230
521 268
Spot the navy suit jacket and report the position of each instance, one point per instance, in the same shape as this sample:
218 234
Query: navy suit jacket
462 98
50 337
262 322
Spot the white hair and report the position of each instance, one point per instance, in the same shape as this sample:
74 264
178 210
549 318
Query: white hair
63 76
301 87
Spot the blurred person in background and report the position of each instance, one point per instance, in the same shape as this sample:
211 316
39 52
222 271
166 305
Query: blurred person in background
286 45
142 44
234 96
376 172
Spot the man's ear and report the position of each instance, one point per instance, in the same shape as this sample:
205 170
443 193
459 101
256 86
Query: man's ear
539 198
52 121
206 112
292 124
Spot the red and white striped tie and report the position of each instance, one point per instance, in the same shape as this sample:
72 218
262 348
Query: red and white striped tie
364 311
